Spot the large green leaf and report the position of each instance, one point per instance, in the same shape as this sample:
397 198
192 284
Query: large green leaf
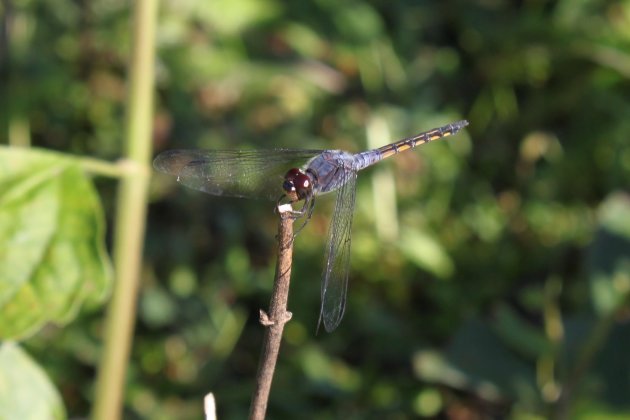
25 390
478 360
52 256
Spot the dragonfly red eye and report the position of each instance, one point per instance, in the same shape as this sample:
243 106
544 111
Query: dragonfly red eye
302 185
297 184
292 173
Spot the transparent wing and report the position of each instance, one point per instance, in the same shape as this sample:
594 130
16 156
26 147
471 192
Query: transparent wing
247 173
337 258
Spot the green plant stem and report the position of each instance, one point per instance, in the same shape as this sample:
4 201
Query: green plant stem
130 220
587 353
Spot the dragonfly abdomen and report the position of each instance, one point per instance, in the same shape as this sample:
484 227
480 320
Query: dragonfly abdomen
422 138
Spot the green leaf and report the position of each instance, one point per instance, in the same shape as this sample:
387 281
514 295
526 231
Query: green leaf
52 256
231 17
426 252
478 361
25 390
522 337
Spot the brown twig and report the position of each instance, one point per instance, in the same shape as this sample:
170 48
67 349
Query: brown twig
276 318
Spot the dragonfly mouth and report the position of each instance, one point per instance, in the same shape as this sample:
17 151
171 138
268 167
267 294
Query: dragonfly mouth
290 191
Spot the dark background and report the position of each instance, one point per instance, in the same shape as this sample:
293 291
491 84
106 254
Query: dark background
478 262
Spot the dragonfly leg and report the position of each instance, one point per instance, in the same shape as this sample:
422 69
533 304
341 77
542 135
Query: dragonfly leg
307 208
310 203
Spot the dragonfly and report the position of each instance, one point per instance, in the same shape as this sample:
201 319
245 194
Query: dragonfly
296 175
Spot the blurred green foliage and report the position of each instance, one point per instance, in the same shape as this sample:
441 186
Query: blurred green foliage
490 272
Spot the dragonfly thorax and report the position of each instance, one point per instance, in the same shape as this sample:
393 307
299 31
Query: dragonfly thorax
297 185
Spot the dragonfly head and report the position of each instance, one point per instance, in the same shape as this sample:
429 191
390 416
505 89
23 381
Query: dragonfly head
297 185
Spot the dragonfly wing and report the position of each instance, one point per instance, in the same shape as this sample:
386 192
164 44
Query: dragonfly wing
233 173
337 257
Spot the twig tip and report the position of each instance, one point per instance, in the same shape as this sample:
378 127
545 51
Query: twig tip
285 208
209 406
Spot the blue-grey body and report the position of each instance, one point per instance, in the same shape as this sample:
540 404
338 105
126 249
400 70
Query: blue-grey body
332 168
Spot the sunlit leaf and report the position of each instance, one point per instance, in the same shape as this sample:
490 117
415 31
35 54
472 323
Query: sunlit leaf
52 256
426 252
25 390
610 260
230 17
